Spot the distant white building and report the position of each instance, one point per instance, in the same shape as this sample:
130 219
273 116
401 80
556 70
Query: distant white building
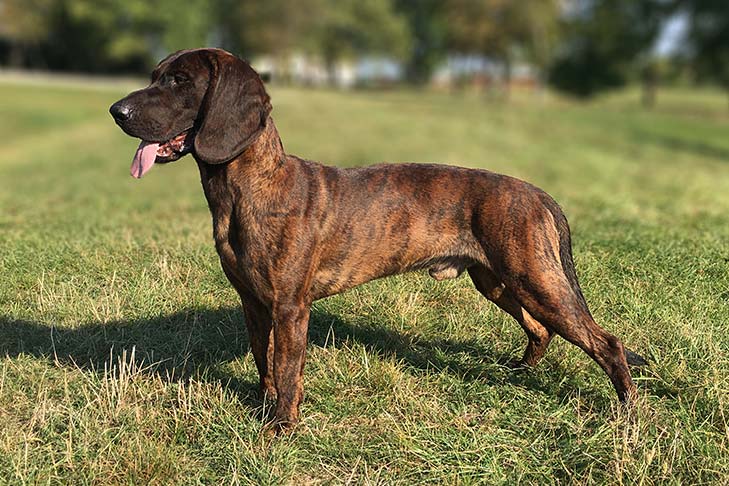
458 69
310 71
481 71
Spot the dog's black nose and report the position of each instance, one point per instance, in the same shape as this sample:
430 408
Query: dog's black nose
120 111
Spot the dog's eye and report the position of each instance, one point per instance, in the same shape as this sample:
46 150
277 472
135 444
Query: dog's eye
174 79
179 78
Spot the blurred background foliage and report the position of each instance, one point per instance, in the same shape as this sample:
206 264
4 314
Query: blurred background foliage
580 47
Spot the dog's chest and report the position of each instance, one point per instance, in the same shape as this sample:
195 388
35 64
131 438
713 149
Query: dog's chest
240 252
242 259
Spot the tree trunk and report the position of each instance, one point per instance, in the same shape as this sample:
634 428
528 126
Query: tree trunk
650 86
17 55
507 78
331 68
649 95
540 86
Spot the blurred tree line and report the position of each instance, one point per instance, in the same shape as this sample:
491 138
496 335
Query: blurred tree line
578 46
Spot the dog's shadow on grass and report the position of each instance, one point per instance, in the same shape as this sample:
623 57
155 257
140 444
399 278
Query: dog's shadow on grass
199 342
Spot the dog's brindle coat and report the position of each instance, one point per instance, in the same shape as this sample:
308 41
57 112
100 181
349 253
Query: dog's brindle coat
290 231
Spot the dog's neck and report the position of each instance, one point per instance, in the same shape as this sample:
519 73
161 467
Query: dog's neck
252 179
265 154
260 160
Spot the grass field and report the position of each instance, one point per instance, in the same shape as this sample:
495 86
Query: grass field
124 357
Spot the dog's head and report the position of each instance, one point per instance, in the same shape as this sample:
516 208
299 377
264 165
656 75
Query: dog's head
203 101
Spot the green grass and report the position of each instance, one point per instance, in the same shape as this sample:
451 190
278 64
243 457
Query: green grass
125 357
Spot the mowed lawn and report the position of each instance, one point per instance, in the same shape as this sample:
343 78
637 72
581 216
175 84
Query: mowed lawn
124 357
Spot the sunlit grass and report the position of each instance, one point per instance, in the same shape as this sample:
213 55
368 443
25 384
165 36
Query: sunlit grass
125 354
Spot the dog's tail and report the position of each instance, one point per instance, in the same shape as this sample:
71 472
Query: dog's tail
568 267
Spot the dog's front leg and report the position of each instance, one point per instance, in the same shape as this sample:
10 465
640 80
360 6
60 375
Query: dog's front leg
260 334
290 326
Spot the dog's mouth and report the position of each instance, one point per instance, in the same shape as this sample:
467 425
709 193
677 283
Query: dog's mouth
149 153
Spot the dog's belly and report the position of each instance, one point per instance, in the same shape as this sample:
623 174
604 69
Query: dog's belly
444 257
330 281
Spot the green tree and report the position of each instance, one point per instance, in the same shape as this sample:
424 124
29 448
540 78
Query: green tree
428 29
25 24
708 39
536 29
184 28
330 29
273 26
346 28
113 34
504 30
142 31
101 35
606 43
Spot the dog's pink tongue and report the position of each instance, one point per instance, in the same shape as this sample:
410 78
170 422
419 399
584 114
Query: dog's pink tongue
143 159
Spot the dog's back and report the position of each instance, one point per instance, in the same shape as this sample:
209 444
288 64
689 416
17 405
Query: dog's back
290 231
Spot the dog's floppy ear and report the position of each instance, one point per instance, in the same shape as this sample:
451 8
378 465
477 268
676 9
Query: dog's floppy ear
233 112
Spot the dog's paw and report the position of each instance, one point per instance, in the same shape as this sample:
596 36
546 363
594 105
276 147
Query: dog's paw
268 394
518 365
634 359
277 428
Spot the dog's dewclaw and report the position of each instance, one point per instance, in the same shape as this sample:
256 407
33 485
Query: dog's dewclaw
634 359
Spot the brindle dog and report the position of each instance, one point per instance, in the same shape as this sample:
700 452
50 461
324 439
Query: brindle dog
290 231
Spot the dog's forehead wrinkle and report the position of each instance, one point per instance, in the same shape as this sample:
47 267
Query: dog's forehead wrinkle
171 63
174 56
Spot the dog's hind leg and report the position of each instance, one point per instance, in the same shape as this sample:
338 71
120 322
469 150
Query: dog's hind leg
493 289
564 314
539 270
